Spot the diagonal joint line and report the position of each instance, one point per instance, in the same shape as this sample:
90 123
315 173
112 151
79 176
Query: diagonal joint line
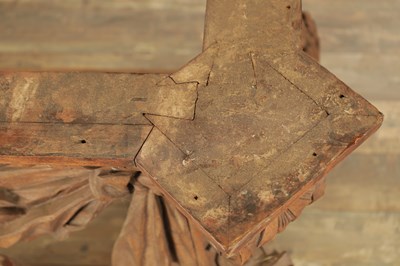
176 146
300 90
283 152
141 146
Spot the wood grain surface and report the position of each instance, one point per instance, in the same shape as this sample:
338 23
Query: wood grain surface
270 123
68 118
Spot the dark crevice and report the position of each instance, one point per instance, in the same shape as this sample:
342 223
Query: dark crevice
14 211
144 141
167 229
253 65
138 99
209 75
195 102
130 188
211 68
91 167
132 181
216 259
70 221
8 195
260 238
208 247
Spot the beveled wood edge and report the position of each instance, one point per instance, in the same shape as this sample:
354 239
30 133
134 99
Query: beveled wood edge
236 247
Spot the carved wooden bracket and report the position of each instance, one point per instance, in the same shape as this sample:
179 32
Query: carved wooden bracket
269 123
238 140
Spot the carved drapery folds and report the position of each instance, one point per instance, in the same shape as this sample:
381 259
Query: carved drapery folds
37 200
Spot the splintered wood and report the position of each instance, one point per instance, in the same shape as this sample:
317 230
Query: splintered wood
238 141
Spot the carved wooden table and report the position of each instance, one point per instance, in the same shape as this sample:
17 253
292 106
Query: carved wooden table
238 141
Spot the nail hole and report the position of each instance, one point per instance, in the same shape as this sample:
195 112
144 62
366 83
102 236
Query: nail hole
84 248
83 141
208 247
314 154
342 96
288 7
196 198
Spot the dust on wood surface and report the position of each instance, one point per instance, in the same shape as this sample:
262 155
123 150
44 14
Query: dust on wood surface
93 117
294 118
331 106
